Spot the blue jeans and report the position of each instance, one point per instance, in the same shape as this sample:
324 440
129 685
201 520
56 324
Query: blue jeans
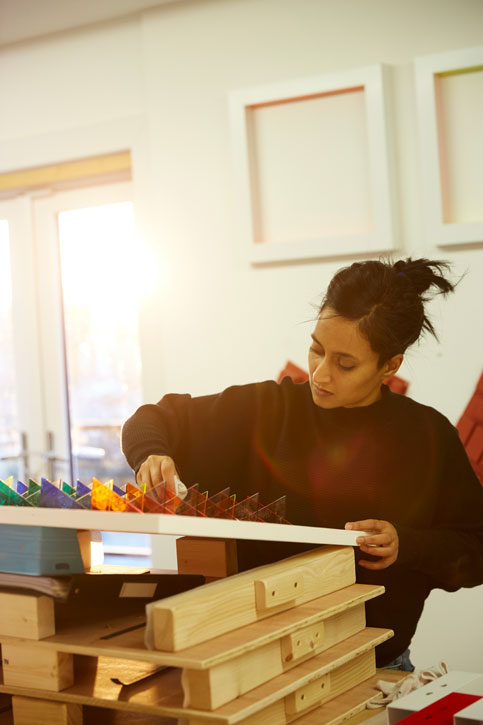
401 663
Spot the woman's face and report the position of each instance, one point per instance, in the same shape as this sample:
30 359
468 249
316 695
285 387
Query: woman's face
343 367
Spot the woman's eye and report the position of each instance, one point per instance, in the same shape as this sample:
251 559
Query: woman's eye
346 367
316 350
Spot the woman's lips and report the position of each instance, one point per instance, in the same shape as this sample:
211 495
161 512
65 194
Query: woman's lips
321 391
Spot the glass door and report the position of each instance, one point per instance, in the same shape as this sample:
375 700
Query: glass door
70 371
12 441
22 436
90 266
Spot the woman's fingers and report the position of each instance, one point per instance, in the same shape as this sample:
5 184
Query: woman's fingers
366 525
155 470
382 541
168 473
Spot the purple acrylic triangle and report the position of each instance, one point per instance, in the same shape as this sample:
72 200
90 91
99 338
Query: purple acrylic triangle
53 497
22 488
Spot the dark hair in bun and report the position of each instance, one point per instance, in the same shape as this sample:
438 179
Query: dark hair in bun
388 300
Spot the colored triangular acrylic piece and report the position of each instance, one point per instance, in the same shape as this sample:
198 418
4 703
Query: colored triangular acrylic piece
67 489
193 504
274 513
221 505
34 486
33 495
165 497
84 501
103 499
22 489
53 497
247 509
142 500
9 497
81 489
134 492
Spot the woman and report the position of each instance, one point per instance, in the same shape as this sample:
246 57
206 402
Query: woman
343 449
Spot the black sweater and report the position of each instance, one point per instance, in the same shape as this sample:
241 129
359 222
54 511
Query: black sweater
395 460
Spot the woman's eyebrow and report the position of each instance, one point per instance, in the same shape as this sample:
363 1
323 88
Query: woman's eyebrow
342 354
347 354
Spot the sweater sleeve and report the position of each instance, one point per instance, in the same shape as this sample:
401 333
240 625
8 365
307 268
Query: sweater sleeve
207 437
450 552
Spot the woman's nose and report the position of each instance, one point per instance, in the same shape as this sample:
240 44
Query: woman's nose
322 371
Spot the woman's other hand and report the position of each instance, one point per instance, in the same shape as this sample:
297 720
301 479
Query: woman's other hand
383 541
155 470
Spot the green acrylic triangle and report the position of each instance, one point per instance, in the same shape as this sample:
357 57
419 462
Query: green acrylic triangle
9 497
33 486
68 489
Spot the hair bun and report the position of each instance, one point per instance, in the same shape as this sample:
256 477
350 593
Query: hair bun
388 300
424 274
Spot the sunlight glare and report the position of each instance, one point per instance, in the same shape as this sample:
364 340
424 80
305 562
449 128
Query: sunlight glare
103 258
6 285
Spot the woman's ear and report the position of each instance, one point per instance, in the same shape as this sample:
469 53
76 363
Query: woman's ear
392 365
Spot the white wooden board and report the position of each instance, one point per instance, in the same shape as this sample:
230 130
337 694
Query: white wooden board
174 525
430 693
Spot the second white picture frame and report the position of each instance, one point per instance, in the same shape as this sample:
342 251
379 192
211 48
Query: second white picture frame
314 166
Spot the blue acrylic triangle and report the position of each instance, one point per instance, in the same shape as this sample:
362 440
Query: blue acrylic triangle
21 488
53 497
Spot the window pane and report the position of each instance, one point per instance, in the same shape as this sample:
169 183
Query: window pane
9 436
99 253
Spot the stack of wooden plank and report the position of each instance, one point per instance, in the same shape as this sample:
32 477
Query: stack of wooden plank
281 643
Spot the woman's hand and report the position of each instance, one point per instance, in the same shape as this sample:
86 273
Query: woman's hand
156 469
383 542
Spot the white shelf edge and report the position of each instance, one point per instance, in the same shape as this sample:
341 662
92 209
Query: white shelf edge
172 525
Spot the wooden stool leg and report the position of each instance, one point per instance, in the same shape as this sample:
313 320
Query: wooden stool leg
41 669
213 558
30 616
29 711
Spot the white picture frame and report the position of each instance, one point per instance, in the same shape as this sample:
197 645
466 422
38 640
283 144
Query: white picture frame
438 231
374 80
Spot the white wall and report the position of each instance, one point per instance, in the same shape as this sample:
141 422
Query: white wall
214 320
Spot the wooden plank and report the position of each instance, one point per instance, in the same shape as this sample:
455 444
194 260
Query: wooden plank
352 658
209 689
175 525
89 637
162 694
211 557
352 702
27 710
245 639
29 615
349 707
93 686
209 611
321 688
272 591
42 669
